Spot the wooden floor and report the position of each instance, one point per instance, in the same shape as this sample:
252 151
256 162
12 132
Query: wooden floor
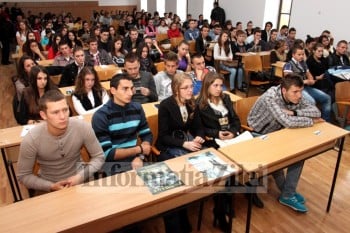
314 184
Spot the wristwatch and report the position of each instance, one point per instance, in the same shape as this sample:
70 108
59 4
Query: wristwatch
142 157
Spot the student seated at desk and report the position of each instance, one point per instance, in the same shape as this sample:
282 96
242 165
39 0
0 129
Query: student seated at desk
215 109
65 57
223 52
118 52
35 51
146 62
199 70
21 80
39 83
88 94
284 106
278 52
95 56
298 65
163 79
184 56
118 124
71 71
145 88
55 144
219 120
179 133
52 47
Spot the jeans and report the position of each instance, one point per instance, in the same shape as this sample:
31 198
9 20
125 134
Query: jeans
233 71
315 95
288 184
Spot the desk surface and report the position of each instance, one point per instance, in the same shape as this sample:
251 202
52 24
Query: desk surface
48 62
263 53
282 147
12 136
108 203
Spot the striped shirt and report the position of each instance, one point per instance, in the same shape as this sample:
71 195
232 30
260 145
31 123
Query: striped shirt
119 127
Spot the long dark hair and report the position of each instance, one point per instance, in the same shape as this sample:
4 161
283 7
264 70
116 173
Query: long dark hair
80 83
226 44
204 95
33 95
22 74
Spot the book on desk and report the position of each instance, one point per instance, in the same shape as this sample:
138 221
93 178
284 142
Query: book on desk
159 177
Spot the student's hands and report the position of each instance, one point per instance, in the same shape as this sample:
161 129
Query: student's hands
199 140
59 185
145 91
223 135
320 77
36 50
192 146
74 180
146 148
288 112
309 82
136 163
317 120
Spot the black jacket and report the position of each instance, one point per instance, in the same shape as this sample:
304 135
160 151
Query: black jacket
210 120
170 119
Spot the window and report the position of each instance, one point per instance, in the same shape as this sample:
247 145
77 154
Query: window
143 5
181 9
160 7
285 11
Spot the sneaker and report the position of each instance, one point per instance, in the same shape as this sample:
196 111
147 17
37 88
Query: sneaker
300 198
293 203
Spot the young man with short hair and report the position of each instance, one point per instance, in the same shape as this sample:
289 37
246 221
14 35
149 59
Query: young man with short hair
298 66
118 124
145 88
65 56
55 144
71 71
284 106
192 32
104 42
199 70
95 56
163 79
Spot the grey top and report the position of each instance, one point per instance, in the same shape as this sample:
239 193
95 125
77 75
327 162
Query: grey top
59 156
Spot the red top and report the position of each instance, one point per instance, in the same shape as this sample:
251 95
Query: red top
174 33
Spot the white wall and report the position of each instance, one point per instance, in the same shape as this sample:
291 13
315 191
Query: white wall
118 3
312 17
195 7
244 11
170 6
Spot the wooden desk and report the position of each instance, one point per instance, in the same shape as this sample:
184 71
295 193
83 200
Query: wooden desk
285 147
45 63
278 66
109 203
106 72
233 97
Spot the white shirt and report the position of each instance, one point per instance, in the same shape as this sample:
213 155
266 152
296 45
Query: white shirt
81 110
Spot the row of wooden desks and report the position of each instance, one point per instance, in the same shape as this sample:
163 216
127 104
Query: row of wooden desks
268 153
109 203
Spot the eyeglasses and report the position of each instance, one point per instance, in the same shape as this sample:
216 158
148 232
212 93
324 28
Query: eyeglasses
186 87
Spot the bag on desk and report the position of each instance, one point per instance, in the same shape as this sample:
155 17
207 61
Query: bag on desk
232 63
